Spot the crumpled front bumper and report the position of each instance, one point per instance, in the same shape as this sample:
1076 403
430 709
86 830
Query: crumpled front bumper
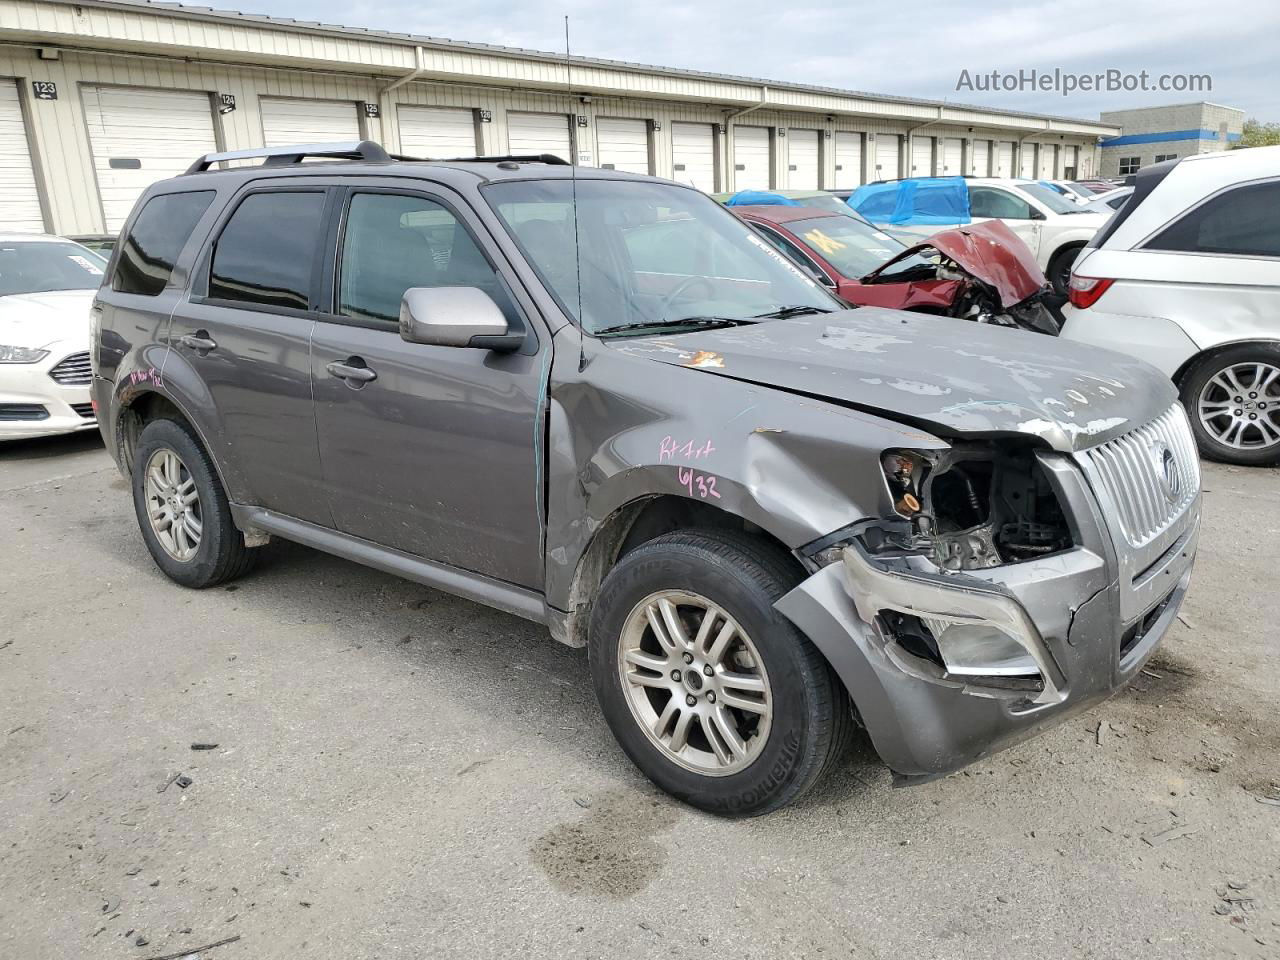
1065 608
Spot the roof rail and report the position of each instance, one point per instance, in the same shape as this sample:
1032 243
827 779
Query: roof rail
548 158
282 156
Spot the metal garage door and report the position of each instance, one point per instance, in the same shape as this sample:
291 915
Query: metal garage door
888 156
534 133
1027 161
19 201
980 158
952 157
922 156
802 159
751 158
286 122
1048 161
693 155
438 132
1004 159
623 144
848 160
140 136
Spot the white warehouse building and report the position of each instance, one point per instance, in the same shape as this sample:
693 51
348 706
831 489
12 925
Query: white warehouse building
99 98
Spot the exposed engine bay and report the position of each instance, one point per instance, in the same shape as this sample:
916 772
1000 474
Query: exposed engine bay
981 272
971 507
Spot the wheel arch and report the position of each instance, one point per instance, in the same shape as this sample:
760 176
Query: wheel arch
1180 374
630 525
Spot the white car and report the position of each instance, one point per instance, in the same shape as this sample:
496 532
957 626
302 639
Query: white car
1109 202
1055 228
47 285
1187 277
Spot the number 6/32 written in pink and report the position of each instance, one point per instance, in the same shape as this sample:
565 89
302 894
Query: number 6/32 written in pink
699 484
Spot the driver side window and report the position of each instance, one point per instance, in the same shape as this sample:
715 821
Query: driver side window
997 204
393 242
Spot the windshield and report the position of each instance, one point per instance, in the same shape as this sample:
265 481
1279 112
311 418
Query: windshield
828 201
650 253
851 246
1050 198
37 266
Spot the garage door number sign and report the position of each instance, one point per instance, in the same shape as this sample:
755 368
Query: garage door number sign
44 89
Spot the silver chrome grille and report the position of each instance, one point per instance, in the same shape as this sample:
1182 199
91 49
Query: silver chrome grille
1150 475
75 371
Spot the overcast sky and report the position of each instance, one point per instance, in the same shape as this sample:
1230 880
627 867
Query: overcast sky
906 48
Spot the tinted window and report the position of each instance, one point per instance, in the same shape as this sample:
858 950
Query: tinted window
35 266
157 237
998 204
1240 222
267 251
392 243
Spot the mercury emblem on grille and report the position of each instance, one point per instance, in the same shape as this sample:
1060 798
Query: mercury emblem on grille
1167 470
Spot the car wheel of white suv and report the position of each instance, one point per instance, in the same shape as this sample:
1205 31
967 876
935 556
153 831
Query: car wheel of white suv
1233 400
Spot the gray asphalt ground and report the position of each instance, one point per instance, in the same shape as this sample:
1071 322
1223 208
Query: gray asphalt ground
401 774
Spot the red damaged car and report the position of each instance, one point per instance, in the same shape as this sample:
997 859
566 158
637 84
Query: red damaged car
981 272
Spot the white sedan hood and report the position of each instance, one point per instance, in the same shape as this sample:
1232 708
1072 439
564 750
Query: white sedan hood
43 319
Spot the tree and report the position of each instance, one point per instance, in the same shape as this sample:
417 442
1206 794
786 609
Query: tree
1257 134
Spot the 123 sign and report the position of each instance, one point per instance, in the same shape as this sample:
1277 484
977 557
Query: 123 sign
44 89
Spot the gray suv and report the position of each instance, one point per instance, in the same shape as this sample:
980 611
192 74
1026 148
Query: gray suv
601 402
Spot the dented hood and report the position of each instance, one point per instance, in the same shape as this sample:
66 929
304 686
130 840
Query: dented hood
991 252
950 378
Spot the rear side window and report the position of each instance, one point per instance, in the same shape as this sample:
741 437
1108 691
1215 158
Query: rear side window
267 252
1240 222
158 235
997 204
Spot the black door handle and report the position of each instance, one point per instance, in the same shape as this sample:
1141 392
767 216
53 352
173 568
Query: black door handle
352 370
200 340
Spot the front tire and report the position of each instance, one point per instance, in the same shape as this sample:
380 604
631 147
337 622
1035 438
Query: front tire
182 509
713 694
1233 401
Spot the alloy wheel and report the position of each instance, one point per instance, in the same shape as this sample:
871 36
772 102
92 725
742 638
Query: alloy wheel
173 505
695 683
1239 406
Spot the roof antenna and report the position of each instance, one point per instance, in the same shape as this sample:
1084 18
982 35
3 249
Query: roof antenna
573 181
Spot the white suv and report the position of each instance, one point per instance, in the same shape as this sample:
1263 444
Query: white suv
1055 228
1187 277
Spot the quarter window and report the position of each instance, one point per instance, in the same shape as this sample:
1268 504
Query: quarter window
267 252
1239 222
1129 165
394 242
158 234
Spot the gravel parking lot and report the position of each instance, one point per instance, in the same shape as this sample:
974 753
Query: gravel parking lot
398 773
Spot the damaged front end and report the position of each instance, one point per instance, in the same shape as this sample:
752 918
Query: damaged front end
974 507
986 603
989 276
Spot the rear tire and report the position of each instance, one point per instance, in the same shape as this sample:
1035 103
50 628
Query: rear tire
1232 398
1059 272
740 731
182 509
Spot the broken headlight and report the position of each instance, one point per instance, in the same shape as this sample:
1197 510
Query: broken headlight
976 505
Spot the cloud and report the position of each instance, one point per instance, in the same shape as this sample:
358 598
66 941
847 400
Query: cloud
914 50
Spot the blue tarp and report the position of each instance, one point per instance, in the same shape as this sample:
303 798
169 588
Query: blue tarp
760 198
923 201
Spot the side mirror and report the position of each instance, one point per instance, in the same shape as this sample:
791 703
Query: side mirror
455 317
